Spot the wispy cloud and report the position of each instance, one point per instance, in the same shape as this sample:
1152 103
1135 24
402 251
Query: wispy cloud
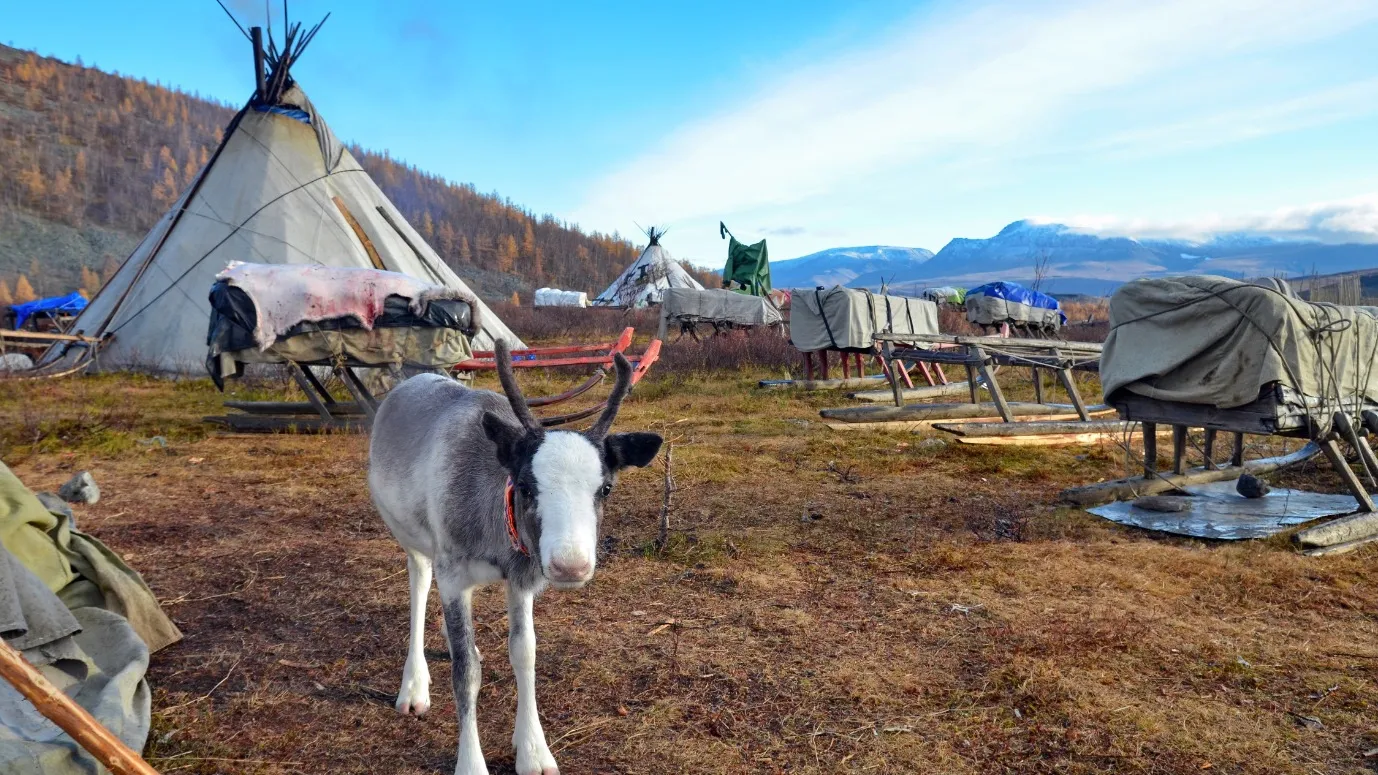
782 231
1342 221
973 82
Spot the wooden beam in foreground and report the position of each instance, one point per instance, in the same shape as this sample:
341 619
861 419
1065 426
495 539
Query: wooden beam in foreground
69 716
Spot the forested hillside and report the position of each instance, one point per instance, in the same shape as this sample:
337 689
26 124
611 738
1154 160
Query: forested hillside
90 160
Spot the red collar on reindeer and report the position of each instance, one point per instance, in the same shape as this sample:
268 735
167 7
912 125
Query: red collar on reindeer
509 499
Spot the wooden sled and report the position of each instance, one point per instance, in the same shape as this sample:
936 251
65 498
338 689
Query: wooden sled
37 342
559 356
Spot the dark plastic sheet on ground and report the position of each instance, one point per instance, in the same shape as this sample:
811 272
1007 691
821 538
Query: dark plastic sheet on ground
1220 513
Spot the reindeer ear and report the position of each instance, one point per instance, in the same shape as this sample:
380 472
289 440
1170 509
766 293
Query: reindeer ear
505 436
631 449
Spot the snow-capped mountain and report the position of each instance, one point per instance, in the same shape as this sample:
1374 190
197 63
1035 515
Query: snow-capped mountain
860 266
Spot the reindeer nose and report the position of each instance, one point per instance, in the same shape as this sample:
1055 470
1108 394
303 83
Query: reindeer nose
570 568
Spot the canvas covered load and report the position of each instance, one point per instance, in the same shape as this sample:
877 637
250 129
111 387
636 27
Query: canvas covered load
1002 302
316 315
688 305
847 319
1221 342
554 297
84 619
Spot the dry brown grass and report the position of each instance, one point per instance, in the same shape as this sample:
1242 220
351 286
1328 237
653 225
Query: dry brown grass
859 602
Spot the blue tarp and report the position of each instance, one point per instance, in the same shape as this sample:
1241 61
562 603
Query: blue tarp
1018 293
71 303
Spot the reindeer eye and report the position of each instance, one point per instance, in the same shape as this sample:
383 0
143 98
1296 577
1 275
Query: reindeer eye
605 491
527 492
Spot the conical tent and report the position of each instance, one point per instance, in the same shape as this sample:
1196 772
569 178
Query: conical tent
279 190
642 283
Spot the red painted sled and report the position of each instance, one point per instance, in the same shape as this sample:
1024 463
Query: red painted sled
599 355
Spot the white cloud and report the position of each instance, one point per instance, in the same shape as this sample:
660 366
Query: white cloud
1342 221
943 88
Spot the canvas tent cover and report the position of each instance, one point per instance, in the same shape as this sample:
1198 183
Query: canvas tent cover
276 192
848 319
687 305
1219 342
554 297
748 266
84 619
56 305
947 294
642 282
366 317
1001 302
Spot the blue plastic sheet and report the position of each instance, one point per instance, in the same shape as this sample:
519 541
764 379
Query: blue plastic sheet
56 305
1018 293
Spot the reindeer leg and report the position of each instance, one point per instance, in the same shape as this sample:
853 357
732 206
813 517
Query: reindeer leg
456 591
415 695
533 755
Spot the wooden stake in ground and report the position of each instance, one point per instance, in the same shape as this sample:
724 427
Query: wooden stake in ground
664 534
69 716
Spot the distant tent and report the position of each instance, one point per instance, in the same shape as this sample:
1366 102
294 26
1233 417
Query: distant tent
280 189
644 280
748 267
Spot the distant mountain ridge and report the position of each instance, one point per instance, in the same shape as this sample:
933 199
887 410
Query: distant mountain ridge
860 266
1078 261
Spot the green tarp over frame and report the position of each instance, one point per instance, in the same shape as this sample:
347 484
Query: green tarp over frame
748 267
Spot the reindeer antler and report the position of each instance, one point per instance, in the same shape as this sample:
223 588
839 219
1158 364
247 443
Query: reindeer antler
620 389
502 358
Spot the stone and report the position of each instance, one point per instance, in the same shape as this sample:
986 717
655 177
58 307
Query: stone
80 489
1251 486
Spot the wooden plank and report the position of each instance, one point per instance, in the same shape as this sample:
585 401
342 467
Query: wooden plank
1179 448
868 414
914 394
928 425
991 341
1343 530
357 389
1341 466
1257 418
1237 453
1150 434
305 381
1208 449
993 385
353 222
1037 376
1030 428
70 717
1134 487
45 336
1047 440
1347 546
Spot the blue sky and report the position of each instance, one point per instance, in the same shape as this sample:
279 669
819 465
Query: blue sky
821 124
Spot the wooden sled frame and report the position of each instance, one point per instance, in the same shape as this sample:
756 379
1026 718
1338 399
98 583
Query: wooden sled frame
558 356
58 366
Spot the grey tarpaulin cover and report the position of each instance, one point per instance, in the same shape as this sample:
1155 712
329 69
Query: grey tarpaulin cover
1220 513
846 319
718 306
990 310
1216 341
85 619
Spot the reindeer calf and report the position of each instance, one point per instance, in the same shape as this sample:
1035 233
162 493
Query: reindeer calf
471 485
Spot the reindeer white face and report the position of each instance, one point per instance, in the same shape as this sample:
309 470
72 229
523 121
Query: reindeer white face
563 477
570 482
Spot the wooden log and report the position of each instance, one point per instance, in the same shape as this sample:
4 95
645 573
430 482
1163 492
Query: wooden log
308 384
913 394
1034 428
1347 546
865 414
46 337
1237 452
1134 487
988 373
1341 466
70 717
1343 530
1208 449
1179 449
927 425
1150 433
